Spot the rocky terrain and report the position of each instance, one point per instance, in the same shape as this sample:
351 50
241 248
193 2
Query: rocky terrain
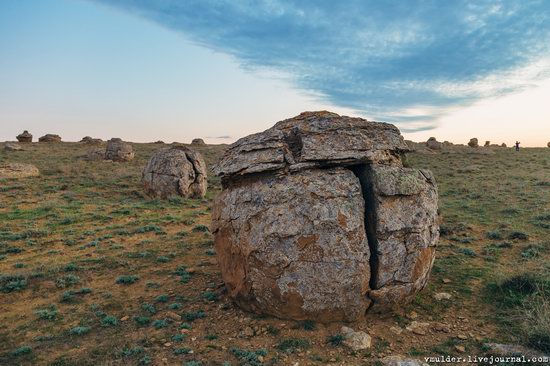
93 272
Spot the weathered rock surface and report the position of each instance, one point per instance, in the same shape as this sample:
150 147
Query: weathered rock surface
24 137
487 144
433 144
473 142
18 170
96 154
548 144
11 146
197 141
50 138
176 171
118 150
318 219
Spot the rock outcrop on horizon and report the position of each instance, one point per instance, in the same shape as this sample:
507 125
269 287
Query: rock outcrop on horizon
91 141
118 150
50 137
473 142
318 219
198 141
24 137
176 171
433 144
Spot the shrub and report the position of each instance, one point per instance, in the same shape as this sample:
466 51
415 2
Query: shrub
109 321
494 235
79 331
160 323
142 321
127 279
150 308
191 316
182 351
49 313
291 345
10 283
210 296
162 298
517 235
335 340
24 350
201 228
249 358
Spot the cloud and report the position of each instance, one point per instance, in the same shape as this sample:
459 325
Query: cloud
384 59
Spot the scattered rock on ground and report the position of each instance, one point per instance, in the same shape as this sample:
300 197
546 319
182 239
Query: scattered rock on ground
356 340
197 141
11 146
504 145
96 154
24 137
419 328
118 150
473 142
291 219
50 137
18 170
176 171
442 296
487 144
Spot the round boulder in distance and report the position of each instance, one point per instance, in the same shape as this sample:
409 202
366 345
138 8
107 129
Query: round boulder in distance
318 219
176 171
50 137
198 141
548 144
24 137
473 142
11 146
433 144
118 150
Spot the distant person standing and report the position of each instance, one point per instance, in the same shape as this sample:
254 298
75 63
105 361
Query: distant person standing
517 145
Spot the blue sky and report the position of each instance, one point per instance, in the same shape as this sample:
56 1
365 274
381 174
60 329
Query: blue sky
146 70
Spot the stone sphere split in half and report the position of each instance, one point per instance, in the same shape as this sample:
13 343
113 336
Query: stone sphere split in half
318 219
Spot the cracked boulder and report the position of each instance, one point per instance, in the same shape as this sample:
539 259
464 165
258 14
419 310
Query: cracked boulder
176 171
318 219
118 150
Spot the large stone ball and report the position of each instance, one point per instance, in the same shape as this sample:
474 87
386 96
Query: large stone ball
176 171
318 219
118 150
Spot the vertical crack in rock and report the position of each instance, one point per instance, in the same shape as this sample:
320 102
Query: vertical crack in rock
293 139
339 225
363 172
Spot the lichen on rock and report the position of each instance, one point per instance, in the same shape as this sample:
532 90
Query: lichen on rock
319 220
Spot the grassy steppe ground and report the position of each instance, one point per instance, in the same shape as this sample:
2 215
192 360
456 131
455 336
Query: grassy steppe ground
94 273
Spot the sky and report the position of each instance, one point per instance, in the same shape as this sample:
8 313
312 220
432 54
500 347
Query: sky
147 70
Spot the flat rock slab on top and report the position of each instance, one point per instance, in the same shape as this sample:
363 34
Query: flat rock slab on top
176 171
319 220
